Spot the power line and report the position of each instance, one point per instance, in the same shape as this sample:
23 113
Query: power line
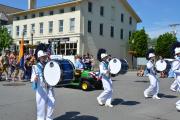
174 28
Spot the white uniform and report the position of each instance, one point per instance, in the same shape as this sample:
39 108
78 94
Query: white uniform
106 95
44 95
174 85
153 89
176 70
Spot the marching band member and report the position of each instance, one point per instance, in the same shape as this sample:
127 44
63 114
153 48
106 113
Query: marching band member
176 70
153 89
106 95
174 85
44 94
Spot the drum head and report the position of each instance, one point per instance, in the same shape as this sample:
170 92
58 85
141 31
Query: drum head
52 73
161 65
115 66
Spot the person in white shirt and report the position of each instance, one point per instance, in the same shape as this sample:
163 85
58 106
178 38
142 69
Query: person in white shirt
176 69
45 100
153 88
106 95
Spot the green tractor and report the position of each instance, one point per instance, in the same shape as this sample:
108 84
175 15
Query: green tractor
87 80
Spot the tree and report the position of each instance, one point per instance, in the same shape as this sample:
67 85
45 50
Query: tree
164 43
139 43
152 42
5 38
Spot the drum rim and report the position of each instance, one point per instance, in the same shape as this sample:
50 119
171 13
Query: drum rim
157 66
44 72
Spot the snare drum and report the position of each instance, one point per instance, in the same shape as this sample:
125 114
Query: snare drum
58 72
161 65
118 66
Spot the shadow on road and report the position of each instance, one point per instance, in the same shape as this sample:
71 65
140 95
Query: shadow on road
118 101
166 96
142 81
75 116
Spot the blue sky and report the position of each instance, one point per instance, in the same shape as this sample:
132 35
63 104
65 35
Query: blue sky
156 15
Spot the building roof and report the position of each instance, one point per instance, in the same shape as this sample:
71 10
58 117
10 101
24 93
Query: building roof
5 10
124 2
131 10
3 16
70 2
8 9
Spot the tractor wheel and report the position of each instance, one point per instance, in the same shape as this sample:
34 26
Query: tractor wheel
85 85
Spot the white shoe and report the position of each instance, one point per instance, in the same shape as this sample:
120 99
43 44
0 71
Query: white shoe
172 89
99 101
109 105
156 97
145 95
178 107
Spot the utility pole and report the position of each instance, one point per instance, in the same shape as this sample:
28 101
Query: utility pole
174 26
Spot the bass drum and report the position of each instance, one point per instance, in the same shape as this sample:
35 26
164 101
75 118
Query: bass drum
117 66
161 65
124 66
58 72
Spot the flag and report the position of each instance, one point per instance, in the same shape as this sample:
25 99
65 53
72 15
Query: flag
21 53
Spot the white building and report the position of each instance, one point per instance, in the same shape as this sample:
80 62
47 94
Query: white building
81 26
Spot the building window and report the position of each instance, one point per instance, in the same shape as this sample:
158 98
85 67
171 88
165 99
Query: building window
89 6
73 9
33 15
61 24
50 26
25 17
112 31
101 29
41 28
41 14
113 10
122 17
89 26
102 11
17 30
17 18
33 28
51 12
61 11
130 20
130 33
25 30
122 34
68 48
72 24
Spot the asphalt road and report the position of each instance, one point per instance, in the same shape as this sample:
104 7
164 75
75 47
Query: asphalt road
18 102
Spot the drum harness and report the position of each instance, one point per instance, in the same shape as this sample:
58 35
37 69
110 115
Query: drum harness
40 72
177 64
152 70
106 66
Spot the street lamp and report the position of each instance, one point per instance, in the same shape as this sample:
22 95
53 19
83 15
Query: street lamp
32 34
132 56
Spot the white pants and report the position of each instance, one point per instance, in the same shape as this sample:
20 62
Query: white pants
178 103
174 85
178 89
106 95
153 89
45 103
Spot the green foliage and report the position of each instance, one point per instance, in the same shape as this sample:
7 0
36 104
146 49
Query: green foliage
139 43
5 38
164 43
